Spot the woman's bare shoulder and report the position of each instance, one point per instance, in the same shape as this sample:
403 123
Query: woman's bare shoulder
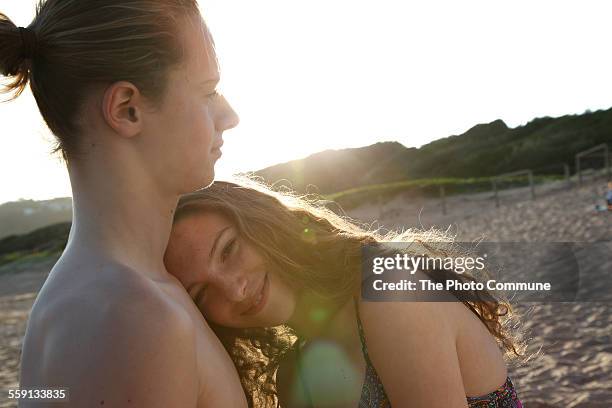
415 337
408 317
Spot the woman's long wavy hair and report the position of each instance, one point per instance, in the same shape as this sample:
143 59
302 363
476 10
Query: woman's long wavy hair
315 250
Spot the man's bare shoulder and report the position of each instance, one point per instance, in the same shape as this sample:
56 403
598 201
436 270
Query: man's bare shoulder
104 298
111 335
99 287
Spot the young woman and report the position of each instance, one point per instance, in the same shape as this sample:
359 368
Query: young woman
128 87
278 278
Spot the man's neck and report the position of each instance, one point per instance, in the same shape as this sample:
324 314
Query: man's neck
122 216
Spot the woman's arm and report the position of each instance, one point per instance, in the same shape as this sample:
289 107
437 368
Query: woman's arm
412 346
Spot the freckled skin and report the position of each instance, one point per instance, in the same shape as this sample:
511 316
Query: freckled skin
233 280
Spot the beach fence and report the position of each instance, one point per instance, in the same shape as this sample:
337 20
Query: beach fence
443 199
556 172
599 151
543 174
583 162
496 181
550 178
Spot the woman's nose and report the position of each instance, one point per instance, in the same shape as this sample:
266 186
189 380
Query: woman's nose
234 286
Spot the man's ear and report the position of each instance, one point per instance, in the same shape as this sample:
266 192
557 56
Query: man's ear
122 108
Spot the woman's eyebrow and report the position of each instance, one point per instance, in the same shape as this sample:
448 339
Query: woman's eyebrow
214 247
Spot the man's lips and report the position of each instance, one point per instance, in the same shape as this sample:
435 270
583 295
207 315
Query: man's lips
259 300
218 145
216 150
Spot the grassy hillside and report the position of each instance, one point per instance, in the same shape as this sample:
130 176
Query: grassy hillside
336 170
543 145
39 243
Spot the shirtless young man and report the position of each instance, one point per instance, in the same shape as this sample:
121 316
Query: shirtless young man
129 89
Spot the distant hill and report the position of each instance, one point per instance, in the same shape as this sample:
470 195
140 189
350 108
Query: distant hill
543 145
23 216
336 170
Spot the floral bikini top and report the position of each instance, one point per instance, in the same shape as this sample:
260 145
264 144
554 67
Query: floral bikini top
373 393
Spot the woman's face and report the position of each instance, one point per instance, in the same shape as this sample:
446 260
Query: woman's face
186 131
225 276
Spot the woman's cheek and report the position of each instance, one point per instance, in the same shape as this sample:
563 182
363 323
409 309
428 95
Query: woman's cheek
219 313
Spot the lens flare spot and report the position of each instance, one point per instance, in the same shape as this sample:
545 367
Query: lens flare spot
309 236
318 315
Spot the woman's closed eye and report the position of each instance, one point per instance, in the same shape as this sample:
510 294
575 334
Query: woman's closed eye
199 295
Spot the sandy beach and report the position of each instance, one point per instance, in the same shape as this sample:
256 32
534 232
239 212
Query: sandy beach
18 289
571 342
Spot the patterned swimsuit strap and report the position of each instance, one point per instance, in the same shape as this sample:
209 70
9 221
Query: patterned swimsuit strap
364 348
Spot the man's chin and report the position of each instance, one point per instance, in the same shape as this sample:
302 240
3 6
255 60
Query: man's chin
204 181
209 179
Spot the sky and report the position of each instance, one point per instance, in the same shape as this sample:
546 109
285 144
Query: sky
309 76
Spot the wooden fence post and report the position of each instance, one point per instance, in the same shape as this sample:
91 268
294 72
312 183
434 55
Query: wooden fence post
494 181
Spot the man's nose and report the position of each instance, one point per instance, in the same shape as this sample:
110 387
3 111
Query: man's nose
228 118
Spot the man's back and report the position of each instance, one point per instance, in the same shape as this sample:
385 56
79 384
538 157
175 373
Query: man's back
115 337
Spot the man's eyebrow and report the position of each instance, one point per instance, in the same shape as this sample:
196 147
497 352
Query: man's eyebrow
214 247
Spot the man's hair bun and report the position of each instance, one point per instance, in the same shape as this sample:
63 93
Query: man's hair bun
17 47
72 48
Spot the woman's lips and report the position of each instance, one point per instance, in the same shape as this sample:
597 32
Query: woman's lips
260 300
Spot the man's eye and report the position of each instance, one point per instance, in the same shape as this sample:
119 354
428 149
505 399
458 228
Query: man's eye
227 250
